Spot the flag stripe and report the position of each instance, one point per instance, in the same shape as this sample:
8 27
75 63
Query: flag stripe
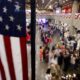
0 76
4 58
9 57
24 58
15 46
2 71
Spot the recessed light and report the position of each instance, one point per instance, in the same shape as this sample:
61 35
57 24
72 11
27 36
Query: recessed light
63 1
50 7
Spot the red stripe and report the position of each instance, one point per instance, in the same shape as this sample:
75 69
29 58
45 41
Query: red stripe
9 57
24 58
2 71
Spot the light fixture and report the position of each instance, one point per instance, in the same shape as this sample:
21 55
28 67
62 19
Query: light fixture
57 11
63 1
50 7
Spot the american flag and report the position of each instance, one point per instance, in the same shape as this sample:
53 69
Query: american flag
13 53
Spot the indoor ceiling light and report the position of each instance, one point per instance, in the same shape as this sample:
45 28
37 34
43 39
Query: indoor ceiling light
63 1
66 0
50 7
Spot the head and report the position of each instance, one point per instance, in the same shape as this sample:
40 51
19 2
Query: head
40 47
47 49
48 71
53 48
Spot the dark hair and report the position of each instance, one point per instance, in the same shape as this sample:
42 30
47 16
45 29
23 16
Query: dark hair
29 27
55 56
40 47
53 48
48 71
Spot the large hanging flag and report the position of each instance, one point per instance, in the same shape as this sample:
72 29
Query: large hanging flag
13 54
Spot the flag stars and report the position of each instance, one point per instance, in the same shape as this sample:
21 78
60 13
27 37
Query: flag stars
17 7
19 27
1 19
7 27
5 10
10 0
17 2
11 18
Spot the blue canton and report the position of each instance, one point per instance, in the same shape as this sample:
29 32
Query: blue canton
12 18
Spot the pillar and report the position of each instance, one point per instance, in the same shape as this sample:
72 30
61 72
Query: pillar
75 8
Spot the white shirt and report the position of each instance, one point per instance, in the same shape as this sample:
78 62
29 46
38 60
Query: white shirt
48 77
73 60
52 59
57 52
78 44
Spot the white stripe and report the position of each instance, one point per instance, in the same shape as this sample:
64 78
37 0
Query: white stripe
3 58
0 76
15 46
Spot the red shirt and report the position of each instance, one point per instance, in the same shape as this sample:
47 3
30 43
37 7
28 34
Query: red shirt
28 37
50 40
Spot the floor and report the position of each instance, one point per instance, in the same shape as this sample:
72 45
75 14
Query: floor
40 67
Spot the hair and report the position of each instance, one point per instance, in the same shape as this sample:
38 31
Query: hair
40 47
48 71
43 26
53 48
55 56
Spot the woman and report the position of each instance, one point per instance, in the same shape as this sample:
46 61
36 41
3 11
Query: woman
46 54
48 75
52 56
41 53
55 69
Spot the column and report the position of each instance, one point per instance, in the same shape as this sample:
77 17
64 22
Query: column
75 7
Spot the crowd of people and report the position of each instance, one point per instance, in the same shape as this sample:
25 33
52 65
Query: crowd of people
63 59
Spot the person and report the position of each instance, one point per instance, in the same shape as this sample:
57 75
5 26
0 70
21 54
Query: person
41 53
73 61
60 57
52 56
53 76
28 34
46 39
66 58
28 38
72 43
50 41
46 54
55 69
48 75
78 46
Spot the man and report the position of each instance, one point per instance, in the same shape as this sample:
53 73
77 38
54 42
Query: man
78 45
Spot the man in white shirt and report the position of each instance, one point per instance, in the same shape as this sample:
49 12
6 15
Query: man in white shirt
48 75
78 44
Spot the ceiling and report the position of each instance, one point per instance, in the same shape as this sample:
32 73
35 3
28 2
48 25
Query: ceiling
49 4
